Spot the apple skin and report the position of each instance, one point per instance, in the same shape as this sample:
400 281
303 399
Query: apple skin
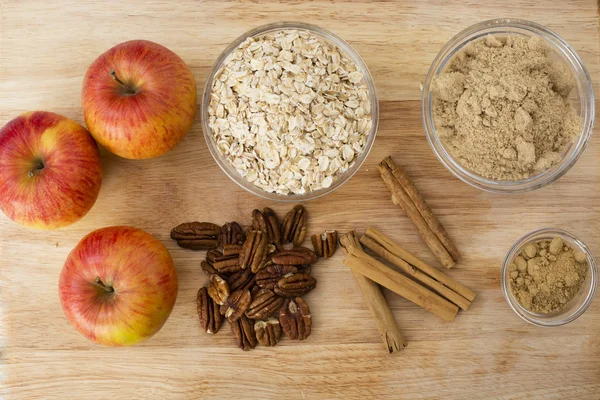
153 107
50 170
141 273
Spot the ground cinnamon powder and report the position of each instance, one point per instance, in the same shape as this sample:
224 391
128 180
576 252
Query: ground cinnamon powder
501 107
547 275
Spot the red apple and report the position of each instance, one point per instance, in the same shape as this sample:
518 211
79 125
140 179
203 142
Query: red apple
118 286
50 170
139 99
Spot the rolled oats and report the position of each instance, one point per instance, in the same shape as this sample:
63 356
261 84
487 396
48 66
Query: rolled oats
289 111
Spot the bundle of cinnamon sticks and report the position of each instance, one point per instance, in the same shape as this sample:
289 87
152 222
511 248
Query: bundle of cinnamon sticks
405 194
418 282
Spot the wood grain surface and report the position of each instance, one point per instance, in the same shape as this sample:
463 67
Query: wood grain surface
487 352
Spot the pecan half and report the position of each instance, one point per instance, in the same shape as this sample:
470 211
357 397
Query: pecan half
295 256
213 255
269 276
243 333
254 251
207 268
196 235
293 285
222 263
264 304
232 249
267 332
208 312
218 289
325 244
295 319
227 265
273 229
243 280
232 233
259 222
237 303
293 227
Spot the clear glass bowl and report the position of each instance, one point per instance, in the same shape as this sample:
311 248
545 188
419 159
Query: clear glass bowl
230 171
582 98
573 309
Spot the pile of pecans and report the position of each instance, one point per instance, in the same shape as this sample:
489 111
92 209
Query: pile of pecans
254 281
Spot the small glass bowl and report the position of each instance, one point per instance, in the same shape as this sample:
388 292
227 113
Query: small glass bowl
348 51
582 98
574 308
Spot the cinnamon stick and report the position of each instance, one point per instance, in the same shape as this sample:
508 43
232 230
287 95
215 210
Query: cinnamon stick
362 263
434 223
380 310
414 273
436 274
401 198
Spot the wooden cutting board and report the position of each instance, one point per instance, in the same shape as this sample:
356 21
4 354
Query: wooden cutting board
487 352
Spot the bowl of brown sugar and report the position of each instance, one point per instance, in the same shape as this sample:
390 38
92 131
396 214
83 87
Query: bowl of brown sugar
508 106
549 277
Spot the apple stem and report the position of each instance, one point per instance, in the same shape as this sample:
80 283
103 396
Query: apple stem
104 286
128 89
36 169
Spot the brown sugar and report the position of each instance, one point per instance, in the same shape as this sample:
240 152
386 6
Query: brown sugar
546 275
501 107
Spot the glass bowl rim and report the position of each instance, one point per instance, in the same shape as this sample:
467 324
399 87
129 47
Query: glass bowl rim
527 315
346 48
558 44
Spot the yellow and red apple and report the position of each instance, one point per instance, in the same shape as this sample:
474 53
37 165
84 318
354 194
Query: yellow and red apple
139 99
50 170
118 286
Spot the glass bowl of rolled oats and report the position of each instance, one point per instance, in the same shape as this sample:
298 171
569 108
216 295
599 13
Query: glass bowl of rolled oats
289 111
